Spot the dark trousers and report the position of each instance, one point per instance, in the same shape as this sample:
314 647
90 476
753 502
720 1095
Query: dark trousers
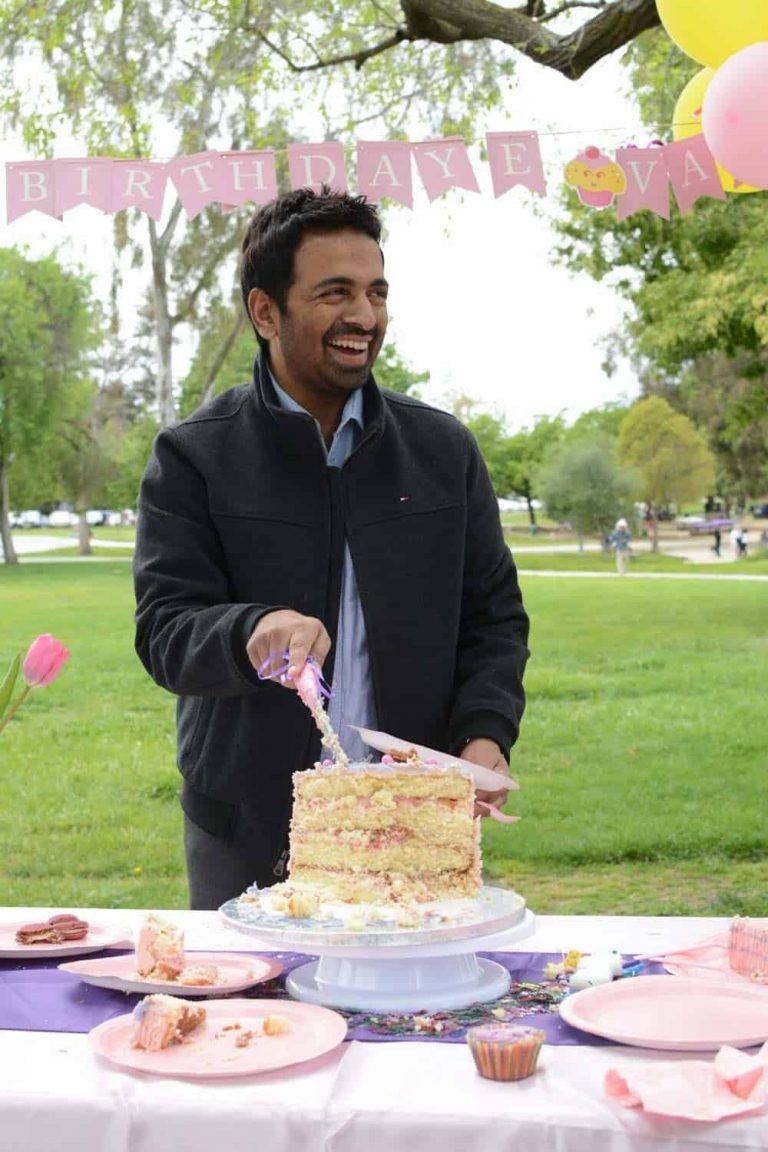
220 868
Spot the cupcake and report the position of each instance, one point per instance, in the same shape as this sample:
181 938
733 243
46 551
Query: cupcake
596 178
505 1051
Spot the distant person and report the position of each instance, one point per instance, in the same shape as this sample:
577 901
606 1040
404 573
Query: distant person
743 542
621 540
735 536
718 542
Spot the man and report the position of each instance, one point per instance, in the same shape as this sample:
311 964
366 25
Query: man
310 513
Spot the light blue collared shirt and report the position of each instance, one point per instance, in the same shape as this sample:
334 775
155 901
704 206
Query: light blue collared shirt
352 699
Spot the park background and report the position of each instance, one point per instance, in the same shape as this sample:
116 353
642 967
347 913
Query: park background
642 754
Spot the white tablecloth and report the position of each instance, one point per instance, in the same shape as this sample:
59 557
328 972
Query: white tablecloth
56 1096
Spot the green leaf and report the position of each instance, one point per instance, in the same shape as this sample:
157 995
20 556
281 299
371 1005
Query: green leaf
7 686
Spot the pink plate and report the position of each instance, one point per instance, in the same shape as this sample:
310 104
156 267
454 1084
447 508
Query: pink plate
686 1014
211 1052
98 936
710 963
236 973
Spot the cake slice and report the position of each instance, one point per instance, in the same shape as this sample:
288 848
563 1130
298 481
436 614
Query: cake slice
748 948
199 975
160 949
160 1021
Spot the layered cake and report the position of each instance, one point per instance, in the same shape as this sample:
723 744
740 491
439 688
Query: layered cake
748 947
389 833
160 1021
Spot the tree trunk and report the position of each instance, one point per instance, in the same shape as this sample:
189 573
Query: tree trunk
166 403
9 552
83 535
531 510
654 531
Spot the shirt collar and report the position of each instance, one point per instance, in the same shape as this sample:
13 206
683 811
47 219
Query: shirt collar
352 410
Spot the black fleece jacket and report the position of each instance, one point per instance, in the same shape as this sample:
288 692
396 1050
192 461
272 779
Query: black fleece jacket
239 514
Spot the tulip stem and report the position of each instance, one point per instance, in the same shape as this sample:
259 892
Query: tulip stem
15 706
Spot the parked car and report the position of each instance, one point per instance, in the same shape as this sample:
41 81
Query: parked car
61 518
32 518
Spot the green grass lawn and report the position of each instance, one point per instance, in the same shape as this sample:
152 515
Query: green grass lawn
641 763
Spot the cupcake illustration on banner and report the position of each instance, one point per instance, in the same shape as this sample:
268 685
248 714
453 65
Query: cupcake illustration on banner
596 177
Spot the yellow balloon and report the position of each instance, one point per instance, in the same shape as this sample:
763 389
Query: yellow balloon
687 121
712 30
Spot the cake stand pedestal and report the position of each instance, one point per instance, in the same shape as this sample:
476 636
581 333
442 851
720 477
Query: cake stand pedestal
384 969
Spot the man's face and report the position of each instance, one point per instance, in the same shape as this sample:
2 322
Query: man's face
328 337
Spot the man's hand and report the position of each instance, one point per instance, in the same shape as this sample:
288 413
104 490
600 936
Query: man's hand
287 631
487 753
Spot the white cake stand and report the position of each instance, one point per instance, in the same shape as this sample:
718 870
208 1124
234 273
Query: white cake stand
382 968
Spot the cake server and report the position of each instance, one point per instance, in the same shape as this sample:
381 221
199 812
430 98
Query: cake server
485 778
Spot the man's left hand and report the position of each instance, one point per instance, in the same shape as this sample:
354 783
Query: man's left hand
489 755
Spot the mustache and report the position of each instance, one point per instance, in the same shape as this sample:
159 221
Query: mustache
352 331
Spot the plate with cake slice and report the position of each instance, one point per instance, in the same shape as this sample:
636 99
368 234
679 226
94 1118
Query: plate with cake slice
166 1036
203 974
62 934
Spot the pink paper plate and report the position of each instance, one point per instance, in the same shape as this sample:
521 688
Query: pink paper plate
687 1014
99 936
710 962
236 973
212 1053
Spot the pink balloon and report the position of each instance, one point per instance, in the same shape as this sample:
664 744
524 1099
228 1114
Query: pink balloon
735 115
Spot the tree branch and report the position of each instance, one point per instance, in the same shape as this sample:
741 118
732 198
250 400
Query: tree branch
616 23
356 58
221 355
568 6
571 54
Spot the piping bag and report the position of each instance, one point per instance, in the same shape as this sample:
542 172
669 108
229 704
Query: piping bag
312 689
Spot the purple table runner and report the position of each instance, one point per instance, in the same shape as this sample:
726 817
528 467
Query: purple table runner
36 997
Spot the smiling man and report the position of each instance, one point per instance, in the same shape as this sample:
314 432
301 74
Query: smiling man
312 513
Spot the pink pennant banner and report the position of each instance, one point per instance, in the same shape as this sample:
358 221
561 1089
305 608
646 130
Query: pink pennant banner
312 165
242 177
515 158
647 181
30 185
638 179
194 178
139 184
384 169
692 171
444 164
87 181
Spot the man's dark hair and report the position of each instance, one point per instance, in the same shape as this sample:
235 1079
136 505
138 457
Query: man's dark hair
274 234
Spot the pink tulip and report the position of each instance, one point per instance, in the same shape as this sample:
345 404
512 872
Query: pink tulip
44 660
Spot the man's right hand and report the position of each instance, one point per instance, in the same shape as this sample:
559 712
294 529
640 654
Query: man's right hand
287 631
